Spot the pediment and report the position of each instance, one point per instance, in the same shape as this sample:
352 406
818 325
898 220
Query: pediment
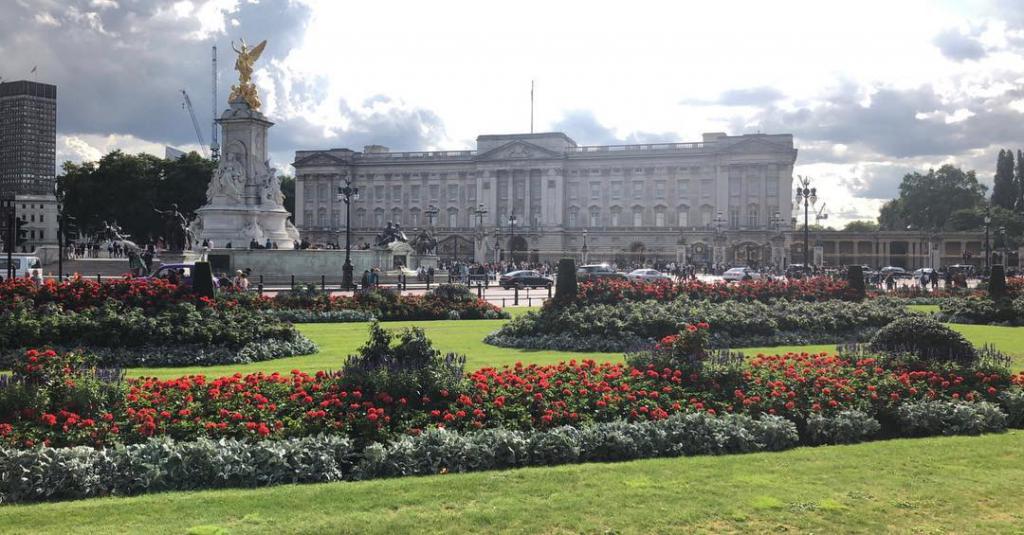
319 160
518 150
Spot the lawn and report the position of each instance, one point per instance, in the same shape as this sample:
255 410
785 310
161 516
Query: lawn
337 340
959 485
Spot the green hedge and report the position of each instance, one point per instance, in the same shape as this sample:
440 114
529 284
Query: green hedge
162 465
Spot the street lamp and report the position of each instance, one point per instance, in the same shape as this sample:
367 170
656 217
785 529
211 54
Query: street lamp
808 196
347 194
1006 249
512 237
7 214
431 213
719 221
988 249
480 212
59 195
584 259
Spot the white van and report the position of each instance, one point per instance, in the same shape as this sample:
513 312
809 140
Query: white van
24 266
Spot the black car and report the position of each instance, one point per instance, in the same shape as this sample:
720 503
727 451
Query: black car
597 271
798 271
524 279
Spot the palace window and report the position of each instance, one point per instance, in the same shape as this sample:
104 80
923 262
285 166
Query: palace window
321 217
617 189
638 217
752 216
683 188
453 192
684 217
659 217
659 189
378 193
734 217
414 193
615 217
396 193
573 213
453 218
595 191
595 217
638 190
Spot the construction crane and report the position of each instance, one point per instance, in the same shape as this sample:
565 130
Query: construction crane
820 214
214 138
195 124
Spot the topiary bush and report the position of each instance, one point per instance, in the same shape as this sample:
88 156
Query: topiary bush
925 338
409 368
565 285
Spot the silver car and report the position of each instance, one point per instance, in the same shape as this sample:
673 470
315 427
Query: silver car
647 275
741 274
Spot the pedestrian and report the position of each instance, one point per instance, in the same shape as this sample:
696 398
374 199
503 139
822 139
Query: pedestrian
365 280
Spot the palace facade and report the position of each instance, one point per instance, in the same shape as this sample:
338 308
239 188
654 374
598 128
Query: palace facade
543 196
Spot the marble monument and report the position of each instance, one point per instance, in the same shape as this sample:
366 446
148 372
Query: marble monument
244 203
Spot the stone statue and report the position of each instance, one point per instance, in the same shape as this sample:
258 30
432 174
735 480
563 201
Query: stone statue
272 188
423 243
245 91
227 180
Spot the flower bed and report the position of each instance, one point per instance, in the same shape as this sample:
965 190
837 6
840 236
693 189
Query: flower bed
631 325
982 310
612 291
53 400
155 295
179 334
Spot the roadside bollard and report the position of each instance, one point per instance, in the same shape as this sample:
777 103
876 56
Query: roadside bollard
479 291
293 283
323 283
515 298
549 292
428 281
260 289
98 281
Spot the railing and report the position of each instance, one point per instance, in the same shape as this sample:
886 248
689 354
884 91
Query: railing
420 155
694 146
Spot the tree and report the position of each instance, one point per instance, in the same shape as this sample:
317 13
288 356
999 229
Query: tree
1004 190
861 226
1019 181
126 188
927 201
288 190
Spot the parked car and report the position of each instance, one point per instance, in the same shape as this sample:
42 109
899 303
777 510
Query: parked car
967 269
24 266
180 272
741 274
918 273
597 271
648 275
524 279
896 271
798 271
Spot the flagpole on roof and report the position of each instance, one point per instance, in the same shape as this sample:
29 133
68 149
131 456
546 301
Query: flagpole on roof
531 106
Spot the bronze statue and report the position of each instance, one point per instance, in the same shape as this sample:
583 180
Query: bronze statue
423 243
391 233
245 91
180 235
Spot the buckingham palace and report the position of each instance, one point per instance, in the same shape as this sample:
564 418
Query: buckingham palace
542 196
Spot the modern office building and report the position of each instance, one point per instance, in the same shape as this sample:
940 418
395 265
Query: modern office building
28 138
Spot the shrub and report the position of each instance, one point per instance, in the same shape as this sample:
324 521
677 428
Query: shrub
410 368
981 310
1012 402
202 280
846 427
927 418
925 338
566 287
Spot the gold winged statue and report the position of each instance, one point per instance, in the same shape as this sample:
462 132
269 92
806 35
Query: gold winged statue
245 91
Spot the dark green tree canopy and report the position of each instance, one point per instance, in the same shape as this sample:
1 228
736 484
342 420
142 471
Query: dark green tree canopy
1004 187
928 201
861 226
126 188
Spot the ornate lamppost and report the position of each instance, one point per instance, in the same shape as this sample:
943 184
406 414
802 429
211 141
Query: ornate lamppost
988 248
480 212
718 221
809 196
1006 248
584 249
347 194
59 195
512 237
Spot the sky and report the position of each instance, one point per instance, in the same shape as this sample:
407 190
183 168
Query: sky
871 90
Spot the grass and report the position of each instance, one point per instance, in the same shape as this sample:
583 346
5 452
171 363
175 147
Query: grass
924 309
953 484
338 340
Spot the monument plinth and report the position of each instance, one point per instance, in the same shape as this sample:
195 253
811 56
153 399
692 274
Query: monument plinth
244 202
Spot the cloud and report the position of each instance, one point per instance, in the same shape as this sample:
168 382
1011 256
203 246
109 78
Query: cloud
959 47
120 68
583 126
750 96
